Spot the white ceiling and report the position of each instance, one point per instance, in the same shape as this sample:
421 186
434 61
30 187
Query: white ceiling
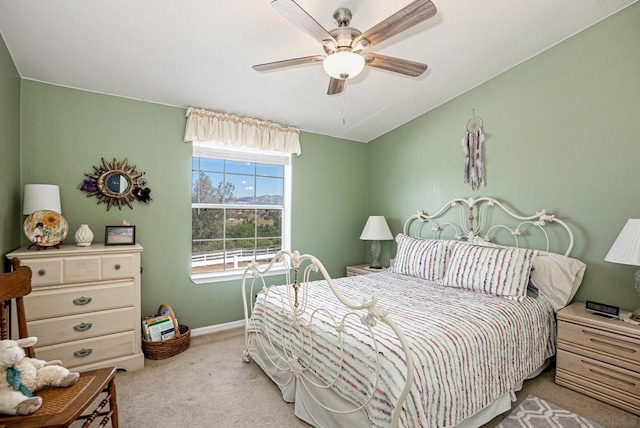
199 53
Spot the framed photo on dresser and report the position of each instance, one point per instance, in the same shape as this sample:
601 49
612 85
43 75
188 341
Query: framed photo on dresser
119 235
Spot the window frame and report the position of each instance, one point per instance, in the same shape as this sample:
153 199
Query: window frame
255 156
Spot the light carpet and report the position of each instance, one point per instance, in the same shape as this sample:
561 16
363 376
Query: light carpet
208 385
534 412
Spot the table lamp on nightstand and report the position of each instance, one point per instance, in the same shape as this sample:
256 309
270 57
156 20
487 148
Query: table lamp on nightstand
626 250
376 230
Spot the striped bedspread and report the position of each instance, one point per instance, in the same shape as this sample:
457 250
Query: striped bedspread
468 348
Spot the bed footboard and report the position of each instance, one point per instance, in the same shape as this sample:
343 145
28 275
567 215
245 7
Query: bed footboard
317 339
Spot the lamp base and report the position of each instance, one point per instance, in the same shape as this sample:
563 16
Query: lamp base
45 229
375 253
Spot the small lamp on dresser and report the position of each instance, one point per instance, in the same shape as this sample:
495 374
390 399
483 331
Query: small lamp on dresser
626 250
376 230
44 226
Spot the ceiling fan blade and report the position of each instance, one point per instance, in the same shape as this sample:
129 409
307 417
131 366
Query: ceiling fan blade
335 86
405 18
294 13
397 65
288 63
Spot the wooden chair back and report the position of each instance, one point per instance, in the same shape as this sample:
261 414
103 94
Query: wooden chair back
15 285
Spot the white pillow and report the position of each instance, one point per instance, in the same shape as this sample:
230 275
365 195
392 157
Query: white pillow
558 277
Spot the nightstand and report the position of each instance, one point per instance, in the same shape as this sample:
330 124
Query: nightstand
362 270
599 357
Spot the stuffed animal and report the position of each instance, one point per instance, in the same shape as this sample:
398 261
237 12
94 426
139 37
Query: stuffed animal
20 376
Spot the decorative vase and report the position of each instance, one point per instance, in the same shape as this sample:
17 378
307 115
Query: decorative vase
83 236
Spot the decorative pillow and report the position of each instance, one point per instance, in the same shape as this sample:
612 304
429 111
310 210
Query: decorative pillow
421 258
501 271
558 277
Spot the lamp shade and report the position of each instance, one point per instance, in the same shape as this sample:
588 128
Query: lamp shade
343 65
376 229
41 197
626 248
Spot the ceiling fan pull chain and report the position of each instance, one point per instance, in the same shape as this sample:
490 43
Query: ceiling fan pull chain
344 122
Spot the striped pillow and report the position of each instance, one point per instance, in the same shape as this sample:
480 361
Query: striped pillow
501 271
421 258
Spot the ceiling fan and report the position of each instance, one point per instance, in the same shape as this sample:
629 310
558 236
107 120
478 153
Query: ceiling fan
346 46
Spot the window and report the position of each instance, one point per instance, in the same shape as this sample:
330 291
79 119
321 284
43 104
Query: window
239 210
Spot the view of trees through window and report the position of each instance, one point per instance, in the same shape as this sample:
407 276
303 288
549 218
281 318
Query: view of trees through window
236 213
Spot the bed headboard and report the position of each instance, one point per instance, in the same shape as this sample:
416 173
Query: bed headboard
490 220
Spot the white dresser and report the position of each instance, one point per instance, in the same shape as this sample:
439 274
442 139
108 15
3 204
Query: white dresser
84 305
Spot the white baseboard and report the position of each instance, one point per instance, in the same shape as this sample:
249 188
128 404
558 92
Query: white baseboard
217 328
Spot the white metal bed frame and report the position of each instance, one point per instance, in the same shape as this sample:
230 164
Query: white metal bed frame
475 226
472 225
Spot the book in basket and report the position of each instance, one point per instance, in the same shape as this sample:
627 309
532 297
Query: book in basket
158 328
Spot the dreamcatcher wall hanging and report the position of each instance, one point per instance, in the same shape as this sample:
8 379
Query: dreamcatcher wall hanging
472 146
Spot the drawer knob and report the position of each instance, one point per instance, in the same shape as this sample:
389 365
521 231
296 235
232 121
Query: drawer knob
84 352
82 327
42 272
82 301
117 267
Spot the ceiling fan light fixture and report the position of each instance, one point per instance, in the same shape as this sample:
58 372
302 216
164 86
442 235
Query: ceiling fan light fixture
343 65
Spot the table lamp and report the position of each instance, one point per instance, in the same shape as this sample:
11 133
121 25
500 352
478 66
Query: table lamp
626 250
376 230
40 228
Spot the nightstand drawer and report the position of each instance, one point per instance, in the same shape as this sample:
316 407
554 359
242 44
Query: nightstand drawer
599 373
76 300
356 270
83 352
595 340
82 326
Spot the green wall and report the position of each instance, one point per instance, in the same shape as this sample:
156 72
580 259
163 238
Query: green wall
561 134
66 132
10 211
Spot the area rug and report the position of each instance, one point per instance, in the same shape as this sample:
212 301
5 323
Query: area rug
534 412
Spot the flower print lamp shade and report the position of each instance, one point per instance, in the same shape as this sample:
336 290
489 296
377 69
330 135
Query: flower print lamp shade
45 228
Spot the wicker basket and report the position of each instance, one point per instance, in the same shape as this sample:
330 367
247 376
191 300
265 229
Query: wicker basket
170 347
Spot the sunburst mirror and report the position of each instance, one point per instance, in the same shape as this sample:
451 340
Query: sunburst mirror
116 184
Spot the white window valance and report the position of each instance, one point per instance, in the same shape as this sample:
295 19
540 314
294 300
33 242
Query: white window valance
208 128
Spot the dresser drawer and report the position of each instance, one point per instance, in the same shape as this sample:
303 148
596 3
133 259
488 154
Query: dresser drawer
44 272
75 300
81 269
82 326
609 343
82 352
599 373
117 266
